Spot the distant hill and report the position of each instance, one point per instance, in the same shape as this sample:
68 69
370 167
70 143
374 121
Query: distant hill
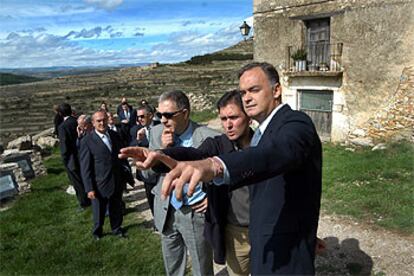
7 78
61 71
204 79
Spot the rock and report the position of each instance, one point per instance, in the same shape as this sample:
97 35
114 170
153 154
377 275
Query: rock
364 142
47 141
44 133
70 190
350 149
380 146
21 143
359 132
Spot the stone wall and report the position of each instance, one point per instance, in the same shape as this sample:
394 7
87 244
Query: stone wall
377 39
27 108
395 119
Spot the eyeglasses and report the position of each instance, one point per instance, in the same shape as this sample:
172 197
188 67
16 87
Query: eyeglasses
168 115
141 116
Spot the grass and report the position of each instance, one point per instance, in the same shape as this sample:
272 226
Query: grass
203 116
44 234
375 186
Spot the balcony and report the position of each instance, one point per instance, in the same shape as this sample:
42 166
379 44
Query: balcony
316 59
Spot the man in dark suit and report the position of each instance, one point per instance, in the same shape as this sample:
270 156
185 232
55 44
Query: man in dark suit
68 135
104 174
284 170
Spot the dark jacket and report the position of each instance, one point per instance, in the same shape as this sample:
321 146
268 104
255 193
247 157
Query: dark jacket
102 171
284 172
132 116
67 142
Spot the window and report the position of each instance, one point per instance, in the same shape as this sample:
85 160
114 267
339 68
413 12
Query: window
317 41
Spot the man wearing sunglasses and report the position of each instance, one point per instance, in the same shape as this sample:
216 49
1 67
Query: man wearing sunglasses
140 134
181 225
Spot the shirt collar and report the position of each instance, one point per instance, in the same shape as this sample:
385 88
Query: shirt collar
186 136
101 134
266 122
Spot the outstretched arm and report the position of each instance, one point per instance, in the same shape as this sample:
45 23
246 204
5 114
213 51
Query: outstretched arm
145 159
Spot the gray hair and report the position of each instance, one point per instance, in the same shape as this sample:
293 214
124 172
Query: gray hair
177 96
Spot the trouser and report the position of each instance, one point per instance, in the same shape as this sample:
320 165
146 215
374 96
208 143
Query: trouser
184 230
237 250
75 180
99 207
150 196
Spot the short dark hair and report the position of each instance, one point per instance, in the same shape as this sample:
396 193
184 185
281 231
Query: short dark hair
65 109
177 96
267 68
232 96
146 107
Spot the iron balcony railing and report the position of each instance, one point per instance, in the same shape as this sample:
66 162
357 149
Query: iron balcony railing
319 57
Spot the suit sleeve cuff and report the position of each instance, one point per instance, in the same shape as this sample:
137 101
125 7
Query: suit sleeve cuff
225 179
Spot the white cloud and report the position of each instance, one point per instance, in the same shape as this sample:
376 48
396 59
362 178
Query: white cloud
104 4
19 50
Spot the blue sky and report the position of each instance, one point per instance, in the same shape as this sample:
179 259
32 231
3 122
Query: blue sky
111 32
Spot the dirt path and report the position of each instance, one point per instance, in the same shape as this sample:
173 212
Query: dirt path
352 248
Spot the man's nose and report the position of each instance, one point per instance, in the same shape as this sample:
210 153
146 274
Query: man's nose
246 97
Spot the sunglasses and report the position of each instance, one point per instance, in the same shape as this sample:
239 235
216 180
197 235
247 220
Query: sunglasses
141 116
168 115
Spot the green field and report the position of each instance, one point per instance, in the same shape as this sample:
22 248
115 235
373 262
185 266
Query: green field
7 79
44 234
374 186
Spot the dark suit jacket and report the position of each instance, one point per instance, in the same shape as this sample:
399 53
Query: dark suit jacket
102 171
133 135
67 142
132 116
285 170
122 131
57 120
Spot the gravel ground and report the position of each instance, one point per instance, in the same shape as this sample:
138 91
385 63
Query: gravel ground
352 248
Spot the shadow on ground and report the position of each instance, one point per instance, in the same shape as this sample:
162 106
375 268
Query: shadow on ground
345 258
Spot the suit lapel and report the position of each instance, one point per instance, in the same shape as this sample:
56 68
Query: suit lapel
277 120
98 141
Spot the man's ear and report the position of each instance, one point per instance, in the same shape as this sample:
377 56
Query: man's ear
187 113
277 91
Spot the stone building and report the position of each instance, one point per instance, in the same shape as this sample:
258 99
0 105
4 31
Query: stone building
357 81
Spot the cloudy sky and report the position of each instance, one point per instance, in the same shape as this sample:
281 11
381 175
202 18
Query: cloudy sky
47 33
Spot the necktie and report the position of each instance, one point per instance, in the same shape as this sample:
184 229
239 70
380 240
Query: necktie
256 138
177 141
174 202
148 133
197 196
107 142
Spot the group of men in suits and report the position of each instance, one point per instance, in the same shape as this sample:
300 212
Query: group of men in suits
281 167
89 148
